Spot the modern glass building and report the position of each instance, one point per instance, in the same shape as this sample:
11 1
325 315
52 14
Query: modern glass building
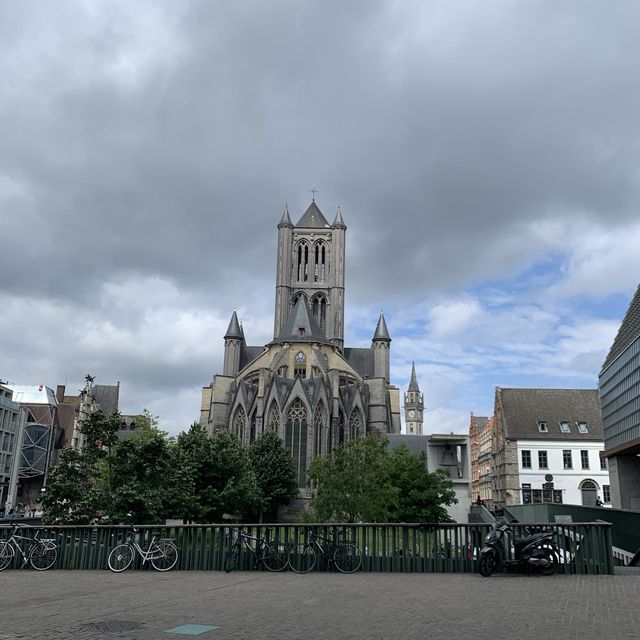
619 386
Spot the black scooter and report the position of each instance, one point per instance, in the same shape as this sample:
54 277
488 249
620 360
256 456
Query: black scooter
537 551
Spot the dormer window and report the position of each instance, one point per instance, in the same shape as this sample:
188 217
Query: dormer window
582 427
542 427
564 427
301 332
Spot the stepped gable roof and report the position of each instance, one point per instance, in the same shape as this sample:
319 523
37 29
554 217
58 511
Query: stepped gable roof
301 325
382 333
523 409
312 218
628 332
234 330
413 383
361 360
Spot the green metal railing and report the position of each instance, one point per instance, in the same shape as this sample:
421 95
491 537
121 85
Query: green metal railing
585 548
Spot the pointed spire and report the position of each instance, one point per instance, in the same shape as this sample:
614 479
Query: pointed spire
286 220
234 330
338 223
382 333
413 383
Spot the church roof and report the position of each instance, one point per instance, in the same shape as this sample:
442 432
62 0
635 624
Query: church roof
413 383
360 359
313 218
249 354
234 330
301 325
382 333
628 332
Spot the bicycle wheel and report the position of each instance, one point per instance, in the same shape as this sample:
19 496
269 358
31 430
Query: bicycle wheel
347 557
275 556
42 555
303 558
120 558
169 557
6 554
231 561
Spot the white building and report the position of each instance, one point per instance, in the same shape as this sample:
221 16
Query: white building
575 470
546 447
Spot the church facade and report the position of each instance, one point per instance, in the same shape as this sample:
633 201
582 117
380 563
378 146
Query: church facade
305 384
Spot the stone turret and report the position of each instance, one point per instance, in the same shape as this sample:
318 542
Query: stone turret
233 343
381 346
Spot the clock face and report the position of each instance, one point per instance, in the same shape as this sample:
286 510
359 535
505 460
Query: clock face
412 413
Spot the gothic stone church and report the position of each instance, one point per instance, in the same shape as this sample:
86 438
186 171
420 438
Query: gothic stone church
305 384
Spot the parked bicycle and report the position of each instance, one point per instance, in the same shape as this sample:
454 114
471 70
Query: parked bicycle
273 554
162 553
343 554
41 553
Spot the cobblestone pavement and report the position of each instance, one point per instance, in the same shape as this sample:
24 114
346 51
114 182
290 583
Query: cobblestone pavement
144 605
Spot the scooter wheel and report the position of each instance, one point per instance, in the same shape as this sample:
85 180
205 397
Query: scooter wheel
552 558
487 565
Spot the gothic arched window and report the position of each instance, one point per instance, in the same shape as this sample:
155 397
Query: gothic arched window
252 429
303 262
300 365
274 418
323 263
296 439
341 434
319 422
355 424
320 262
319 310
239 424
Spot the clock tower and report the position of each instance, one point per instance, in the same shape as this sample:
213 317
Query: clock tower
413 406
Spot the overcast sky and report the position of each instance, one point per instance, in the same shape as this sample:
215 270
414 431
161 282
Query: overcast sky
485 156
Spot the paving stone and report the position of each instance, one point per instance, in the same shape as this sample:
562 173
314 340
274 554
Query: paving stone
99 605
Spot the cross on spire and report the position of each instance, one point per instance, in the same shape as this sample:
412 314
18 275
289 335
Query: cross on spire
313 190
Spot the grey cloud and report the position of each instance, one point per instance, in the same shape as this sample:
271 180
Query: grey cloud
166 139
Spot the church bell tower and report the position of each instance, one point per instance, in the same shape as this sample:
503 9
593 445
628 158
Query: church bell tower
413 406
310 263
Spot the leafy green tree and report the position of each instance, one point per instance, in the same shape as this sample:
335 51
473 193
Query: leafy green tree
274 471
140 469
231 483
211 476
71 496
364 481
422 496
99 437
352 483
